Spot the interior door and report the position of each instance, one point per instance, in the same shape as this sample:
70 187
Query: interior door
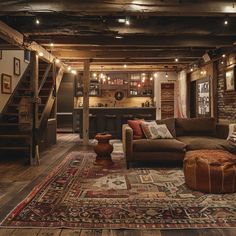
167 100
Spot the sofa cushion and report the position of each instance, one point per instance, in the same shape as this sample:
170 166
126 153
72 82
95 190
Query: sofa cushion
158 145
135 125
170 123
204 142
195 127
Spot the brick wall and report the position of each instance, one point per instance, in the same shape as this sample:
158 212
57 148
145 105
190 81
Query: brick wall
226 100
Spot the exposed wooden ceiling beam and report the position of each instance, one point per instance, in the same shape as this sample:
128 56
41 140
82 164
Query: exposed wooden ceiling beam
102 7
160 41
74 54
17 39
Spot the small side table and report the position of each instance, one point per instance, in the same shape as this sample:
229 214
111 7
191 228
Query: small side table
103 150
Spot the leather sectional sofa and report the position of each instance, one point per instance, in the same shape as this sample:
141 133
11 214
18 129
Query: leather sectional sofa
189 134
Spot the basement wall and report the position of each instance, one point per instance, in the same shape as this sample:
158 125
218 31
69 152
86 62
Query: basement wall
7 67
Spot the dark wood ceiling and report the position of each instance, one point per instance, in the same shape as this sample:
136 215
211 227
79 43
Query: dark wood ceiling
159 31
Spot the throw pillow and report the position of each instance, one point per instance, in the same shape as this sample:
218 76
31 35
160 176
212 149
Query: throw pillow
170 123
154 131
232 129
137 130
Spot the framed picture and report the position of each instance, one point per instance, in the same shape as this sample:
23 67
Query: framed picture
16 66
203 100
6 84
230 79
0 54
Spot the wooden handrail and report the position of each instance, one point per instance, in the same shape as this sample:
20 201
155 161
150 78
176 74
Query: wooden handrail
45 75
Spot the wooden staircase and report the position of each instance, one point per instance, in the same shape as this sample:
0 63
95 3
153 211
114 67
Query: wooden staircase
17 137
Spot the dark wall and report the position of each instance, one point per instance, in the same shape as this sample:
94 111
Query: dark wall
65 99
226 100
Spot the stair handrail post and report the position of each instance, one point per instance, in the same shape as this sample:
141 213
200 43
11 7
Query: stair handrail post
34 83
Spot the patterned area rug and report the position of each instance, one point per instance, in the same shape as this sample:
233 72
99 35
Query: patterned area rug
79 194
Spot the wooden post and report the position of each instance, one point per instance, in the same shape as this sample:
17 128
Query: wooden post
86 79
35 115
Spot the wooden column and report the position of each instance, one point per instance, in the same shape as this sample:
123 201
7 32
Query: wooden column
35 115
86 79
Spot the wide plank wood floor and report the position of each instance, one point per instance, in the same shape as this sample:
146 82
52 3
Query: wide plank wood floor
17 178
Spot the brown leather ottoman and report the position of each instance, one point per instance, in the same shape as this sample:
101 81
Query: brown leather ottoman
210 171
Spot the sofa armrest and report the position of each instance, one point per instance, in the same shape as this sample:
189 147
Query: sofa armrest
222 131
127 140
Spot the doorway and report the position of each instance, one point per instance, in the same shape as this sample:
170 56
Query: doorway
167 100
192 96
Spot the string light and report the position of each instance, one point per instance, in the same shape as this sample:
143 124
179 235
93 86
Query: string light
121 20
127 21
226 20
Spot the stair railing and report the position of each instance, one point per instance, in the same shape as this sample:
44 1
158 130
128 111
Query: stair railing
44 78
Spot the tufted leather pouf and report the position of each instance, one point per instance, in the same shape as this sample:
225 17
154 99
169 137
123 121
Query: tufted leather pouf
210 171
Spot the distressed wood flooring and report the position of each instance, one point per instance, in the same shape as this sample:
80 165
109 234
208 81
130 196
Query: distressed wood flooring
16 180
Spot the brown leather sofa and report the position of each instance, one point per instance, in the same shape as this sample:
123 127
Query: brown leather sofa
189 134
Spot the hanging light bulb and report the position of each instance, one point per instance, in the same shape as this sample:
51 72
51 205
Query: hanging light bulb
69 68
125 66
37 22
74 72
57 60
166 75
176 59
41 54
155 74
52 44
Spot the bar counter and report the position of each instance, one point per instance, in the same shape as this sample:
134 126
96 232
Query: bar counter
110 119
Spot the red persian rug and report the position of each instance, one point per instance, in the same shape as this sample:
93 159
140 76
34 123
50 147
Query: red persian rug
78 194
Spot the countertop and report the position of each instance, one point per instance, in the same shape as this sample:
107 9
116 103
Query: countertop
122 108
